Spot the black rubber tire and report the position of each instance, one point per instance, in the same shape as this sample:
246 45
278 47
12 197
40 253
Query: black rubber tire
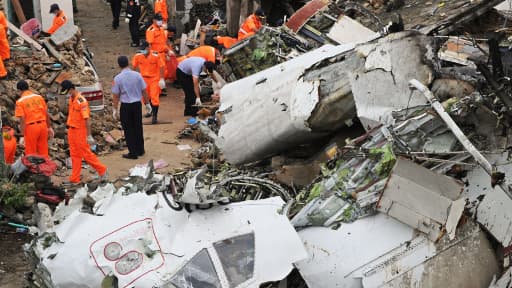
174 206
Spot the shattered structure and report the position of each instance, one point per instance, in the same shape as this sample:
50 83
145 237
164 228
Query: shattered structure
420 197
44 71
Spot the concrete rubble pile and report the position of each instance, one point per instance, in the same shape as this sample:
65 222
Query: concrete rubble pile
380 163
44 69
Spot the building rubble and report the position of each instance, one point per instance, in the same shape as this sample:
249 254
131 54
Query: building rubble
405 140
44 69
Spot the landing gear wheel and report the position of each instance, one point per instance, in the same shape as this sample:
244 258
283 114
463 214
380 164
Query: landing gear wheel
171 203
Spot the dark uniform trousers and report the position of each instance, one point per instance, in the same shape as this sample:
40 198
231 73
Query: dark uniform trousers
131 121
115 6
187 84
133 9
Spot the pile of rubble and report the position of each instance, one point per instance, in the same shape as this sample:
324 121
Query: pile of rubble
44 69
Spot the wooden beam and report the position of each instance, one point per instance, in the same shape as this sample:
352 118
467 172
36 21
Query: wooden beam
233 16
55 53
19 11
25 37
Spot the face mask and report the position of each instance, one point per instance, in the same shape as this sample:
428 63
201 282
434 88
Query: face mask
159 22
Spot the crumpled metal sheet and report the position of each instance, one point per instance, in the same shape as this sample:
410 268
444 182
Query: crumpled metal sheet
378 251
271 108
144 244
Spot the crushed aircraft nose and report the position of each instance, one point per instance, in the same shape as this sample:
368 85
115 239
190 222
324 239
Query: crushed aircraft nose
241 244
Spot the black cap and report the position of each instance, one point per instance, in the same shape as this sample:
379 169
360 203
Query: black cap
65 86
122 61
22 85
210 66
158 16
259 12
54 7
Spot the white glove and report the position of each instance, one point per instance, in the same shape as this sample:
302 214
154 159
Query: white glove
161 83
148 108
198 101
22 141
126 20
90 140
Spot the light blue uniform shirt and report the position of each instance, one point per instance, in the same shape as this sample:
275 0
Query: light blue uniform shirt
128 85
192 66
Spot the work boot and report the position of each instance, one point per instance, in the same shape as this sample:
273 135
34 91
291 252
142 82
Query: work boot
155 115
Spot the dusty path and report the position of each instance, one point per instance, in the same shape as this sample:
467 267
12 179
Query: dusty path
95 19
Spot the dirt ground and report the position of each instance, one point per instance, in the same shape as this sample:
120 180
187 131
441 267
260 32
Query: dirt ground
94 17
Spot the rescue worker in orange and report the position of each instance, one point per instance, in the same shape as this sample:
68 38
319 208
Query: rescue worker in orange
225 41
156 36
206 52
9 143
160 7
151 67
34 121
79 134
5 50
58 20
252 24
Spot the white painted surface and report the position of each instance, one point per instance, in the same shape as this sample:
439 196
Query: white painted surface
271 106
143 223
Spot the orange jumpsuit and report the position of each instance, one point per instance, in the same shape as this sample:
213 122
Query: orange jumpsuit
206 52
9 144
32 108
5 50
59 20
161 7
79 149
251 25
157 39
149 67
226 41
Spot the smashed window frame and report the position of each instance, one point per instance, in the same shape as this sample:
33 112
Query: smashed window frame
221 265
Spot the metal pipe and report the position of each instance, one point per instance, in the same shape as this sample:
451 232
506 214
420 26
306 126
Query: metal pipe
480 159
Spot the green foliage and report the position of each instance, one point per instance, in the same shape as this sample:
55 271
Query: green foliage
387 159
13 194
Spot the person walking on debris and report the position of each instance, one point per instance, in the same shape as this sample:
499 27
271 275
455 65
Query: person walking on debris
129 88
151 67
115 7
58 20
133 14
252 24
5 50
157 37
35 124
79 134
188 76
